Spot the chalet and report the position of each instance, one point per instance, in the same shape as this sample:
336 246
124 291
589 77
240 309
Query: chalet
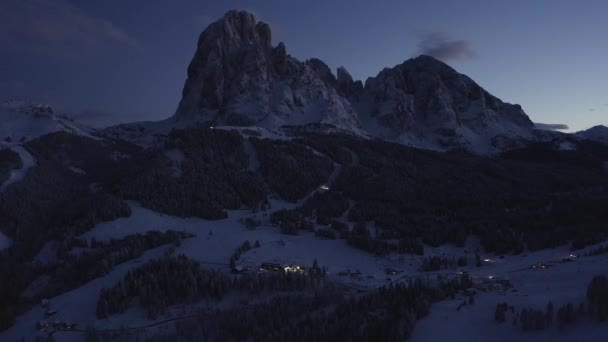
271 266
540 265
295 269
391 271
569 258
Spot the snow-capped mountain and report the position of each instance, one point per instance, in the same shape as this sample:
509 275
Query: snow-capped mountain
424 102
238 78
21 121
597 133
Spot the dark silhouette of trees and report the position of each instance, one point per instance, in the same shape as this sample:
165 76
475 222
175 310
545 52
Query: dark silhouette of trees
597 296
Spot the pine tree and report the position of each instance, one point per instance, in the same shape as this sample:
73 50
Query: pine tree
549 314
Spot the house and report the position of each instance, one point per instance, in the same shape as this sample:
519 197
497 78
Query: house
271 266
391 271
295 269
540 265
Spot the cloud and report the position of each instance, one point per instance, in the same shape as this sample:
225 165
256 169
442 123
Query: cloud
440 46
56 28
551 127
592 109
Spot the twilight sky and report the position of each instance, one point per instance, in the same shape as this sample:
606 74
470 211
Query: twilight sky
117 61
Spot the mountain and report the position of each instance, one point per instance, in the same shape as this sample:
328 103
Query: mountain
597 133
21 121
237 78
424 102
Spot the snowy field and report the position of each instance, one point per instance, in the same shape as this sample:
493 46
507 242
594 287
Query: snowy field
216 241
533 288
17 175
5 241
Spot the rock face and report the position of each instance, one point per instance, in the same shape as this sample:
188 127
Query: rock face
238 78
597 133
424 102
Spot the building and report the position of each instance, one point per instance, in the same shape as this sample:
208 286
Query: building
271 266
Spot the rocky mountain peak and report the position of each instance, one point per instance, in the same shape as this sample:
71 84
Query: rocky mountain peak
237 78
235 29
346 85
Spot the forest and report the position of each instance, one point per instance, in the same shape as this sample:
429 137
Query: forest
385 197
297 311
9 160
533 319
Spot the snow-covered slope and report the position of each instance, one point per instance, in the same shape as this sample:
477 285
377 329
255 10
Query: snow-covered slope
5 241
424 102
23 121
597 133
27 161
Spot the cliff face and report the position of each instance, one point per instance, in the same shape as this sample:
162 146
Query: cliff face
237 78
427 103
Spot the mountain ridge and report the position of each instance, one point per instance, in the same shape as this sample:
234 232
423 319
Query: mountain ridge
598 133
237 78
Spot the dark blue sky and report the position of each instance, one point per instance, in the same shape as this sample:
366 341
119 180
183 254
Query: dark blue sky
125 60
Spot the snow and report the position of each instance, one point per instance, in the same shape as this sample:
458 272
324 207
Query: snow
76 170
176 157
566 146
23 121
216 241
17 175
561 283
597 133
77 306
48 253
5 241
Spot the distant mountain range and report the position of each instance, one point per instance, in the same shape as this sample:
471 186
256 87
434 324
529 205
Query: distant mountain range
237 78
21 121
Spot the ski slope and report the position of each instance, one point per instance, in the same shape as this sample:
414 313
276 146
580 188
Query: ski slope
17 175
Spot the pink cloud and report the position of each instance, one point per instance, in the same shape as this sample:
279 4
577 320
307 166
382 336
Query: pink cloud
438 45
